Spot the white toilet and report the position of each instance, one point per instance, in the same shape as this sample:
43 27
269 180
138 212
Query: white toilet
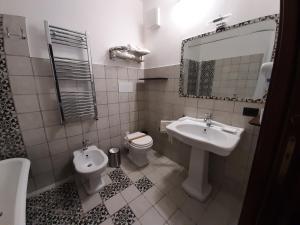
90 164
138 144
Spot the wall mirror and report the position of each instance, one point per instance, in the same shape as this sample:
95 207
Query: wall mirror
233 64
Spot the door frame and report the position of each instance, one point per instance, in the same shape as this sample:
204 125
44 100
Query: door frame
271 194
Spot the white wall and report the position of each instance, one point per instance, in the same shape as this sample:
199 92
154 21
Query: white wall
178 23
108 22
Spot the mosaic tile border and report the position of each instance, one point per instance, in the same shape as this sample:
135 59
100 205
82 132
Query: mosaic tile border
11 140
274 17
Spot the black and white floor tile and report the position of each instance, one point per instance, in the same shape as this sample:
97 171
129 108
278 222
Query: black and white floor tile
109 191
143 184
95 216
120 179
62 206
124 216
124 202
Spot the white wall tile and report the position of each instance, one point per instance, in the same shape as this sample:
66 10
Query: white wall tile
73 129
114 120
26 103
75 142
225 106
58 146
41 166
112 97
101 97
112 85
30 120
100 85
113 109
41 67
51 117
22 84
98 71
103 122
55 132
104 134
111 72
34 136
19 65
122 73
37 151
48 101
45 85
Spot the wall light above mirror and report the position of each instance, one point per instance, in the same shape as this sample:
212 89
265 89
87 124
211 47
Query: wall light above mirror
234 64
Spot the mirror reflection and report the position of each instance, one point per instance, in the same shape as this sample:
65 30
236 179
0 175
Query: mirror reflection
235 63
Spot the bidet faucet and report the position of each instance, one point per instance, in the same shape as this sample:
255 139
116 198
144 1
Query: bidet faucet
207 119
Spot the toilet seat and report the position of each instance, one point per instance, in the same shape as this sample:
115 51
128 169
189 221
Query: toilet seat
141 148
138 144
142 143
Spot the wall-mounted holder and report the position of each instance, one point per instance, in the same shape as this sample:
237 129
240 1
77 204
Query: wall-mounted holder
154 78
79 103
220 22
128 52
9 34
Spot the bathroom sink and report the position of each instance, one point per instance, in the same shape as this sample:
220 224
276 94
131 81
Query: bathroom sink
217 138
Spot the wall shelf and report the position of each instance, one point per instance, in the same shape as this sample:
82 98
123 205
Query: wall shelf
128 53
154 78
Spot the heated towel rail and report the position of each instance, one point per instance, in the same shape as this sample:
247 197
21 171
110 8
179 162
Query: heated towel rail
79 101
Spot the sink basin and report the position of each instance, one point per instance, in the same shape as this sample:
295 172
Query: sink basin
196 133
219 138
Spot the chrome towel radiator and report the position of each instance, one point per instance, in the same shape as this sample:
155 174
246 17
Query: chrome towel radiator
78 102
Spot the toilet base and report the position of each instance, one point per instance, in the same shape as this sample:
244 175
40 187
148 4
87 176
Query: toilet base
139 160
93 185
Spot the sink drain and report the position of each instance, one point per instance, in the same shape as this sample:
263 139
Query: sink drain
89 165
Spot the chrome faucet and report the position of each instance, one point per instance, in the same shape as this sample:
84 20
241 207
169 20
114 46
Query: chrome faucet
84 144
207 119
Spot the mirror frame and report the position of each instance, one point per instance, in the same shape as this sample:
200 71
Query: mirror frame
274 17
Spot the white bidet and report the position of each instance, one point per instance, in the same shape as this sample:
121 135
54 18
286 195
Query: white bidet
90 164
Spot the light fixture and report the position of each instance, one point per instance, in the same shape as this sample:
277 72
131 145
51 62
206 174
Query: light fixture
187 13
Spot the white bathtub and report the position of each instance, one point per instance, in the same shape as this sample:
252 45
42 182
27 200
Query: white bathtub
13 188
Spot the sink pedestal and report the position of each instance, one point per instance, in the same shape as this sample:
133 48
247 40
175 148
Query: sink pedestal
196 185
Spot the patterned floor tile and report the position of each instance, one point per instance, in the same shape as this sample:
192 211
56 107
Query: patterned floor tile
143 184
60 205
117 175
96 216
120 179
124 216
109 191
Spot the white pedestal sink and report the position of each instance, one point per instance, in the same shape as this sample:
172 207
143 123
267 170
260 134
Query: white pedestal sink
219 138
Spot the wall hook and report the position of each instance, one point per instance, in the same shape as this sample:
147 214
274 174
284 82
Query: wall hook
7 32
23 37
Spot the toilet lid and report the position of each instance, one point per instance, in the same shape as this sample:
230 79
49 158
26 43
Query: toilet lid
142 142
